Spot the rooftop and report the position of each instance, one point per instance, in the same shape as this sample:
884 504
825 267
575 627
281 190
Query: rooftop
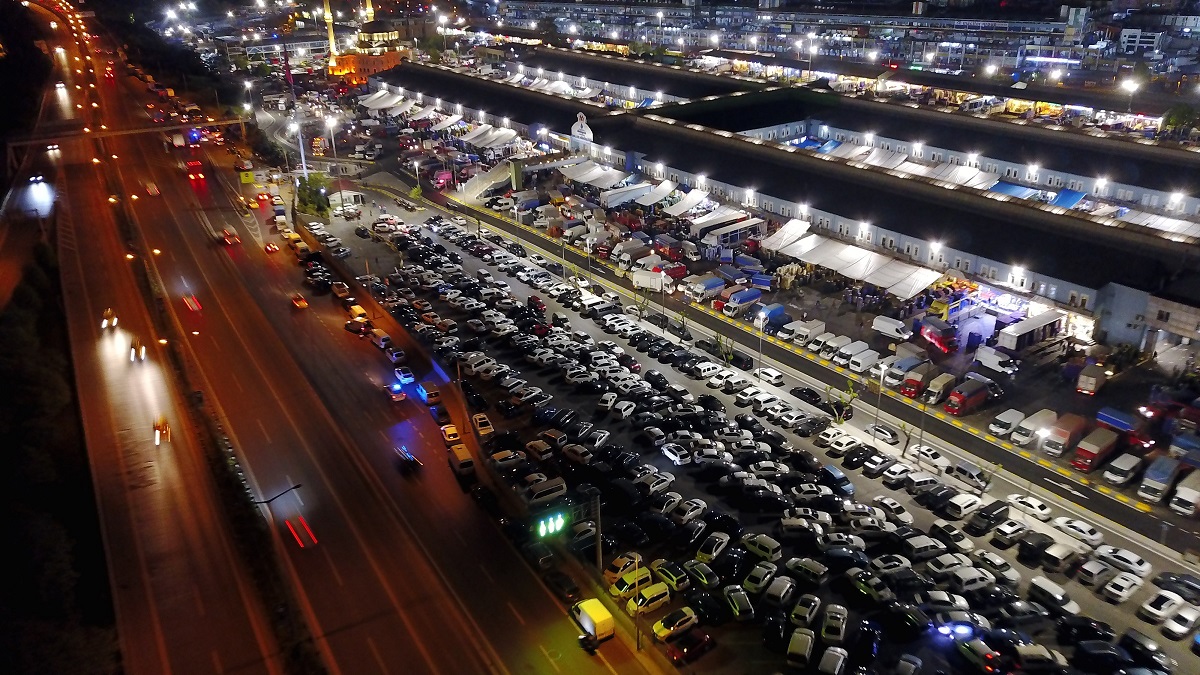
1170 171
618 70
956 220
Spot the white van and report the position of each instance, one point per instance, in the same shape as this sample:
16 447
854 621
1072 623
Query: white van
706 370
460 460
991 358
789 330
843 355
1052 596
877 369
818 343
863 360
380 339
763 546
832 346
1123 469
545 491
648 599
891 328
966 579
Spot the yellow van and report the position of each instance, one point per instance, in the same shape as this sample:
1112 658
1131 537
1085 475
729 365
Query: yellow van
356 313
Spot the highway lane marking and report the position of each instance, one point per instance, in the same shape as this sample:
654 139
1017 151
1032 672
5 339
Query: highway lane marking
551 659
606 663
487 574
516 613
376 655
264 431
333 567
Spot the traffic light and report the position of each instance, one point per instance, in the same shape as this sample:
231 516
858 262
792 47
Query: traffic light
550 524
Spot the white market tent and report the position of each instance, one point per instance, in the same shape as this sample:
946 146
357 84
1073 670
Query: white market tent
900 279
801 246
446 123
480 131
371 98
389 101
658 194
607 178
402 108
689 201
826 250
791 231
423 113
576 171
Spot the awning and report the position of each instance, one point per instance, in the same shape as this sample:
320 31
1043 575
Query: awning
607 178
917 281
576 171
862 268
499 138
828 249
388 101
645 103
1068 199
714 238
515 78
619 196
446 123
587 92
791 231
482 182
803 245
560 87
658 194
371 98
828 147
1014 190
423 114
404 107
689 201
479 131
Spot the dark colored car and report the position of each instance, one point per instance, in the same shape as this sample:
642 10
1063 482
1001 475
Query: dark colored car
902 621
733 563
719 520
807 394
865 646
1145 651
776 631
841 558
561 585
1103 658
1073 629
857 457
690 646
1032 545
487 500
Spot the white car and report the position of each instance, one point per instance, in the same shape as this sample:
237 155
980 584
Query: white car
1080 530
894 510
689 510
929 456
1123 559
717 381
1029 505
677 454
768 375
711 455
1161 606
1121 587
1184 622
712 547
760 577
986 559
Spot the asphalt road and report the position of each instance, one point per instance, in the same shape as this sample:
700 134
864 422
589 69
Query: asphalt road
180 594
393 572
741 647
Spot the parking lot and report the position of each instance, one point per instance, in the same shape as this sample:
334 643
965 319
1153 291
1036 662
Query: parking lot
737 643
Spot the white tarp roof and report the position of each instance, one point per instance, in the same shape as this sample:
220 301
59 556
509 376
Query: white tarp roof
482 182
587 92
884 158
864 266
846 258
424 113
499 138
371 98
658 194
714 238
560 87
479 131
576 171
689 201
791 231
515 78
828 249
385 102
803 245
890 274
404 107
919 280
446 123
611 198
607 178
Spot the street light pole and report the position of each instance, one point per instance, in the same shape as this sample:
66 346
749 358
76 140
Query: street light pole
762 319
297 486
331 122
300 142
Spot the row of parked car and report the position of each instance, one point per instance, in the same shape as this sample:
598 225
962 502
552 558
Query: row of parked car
781 480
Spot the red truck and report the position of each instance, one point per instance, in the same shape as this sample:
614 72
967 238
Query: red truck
939 334
675 270
1094 449
966 397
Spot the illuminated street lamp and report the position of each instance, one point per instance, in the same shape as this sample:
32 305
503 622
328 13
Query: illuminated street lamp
442 21
331 122
1130 86
296 129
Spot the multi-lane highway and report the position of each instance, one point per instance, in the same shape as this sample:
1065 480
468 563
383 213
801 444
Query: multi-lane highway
180 594
392 573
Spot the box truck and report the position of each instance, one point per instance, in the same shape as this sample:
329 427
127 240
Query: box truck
939 389
808 330
1091 379
966 397
768 314
1159 477
939 334
706 287
1094 449
741 301
1063 436
918 378
1187 495
1027 431
594 618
